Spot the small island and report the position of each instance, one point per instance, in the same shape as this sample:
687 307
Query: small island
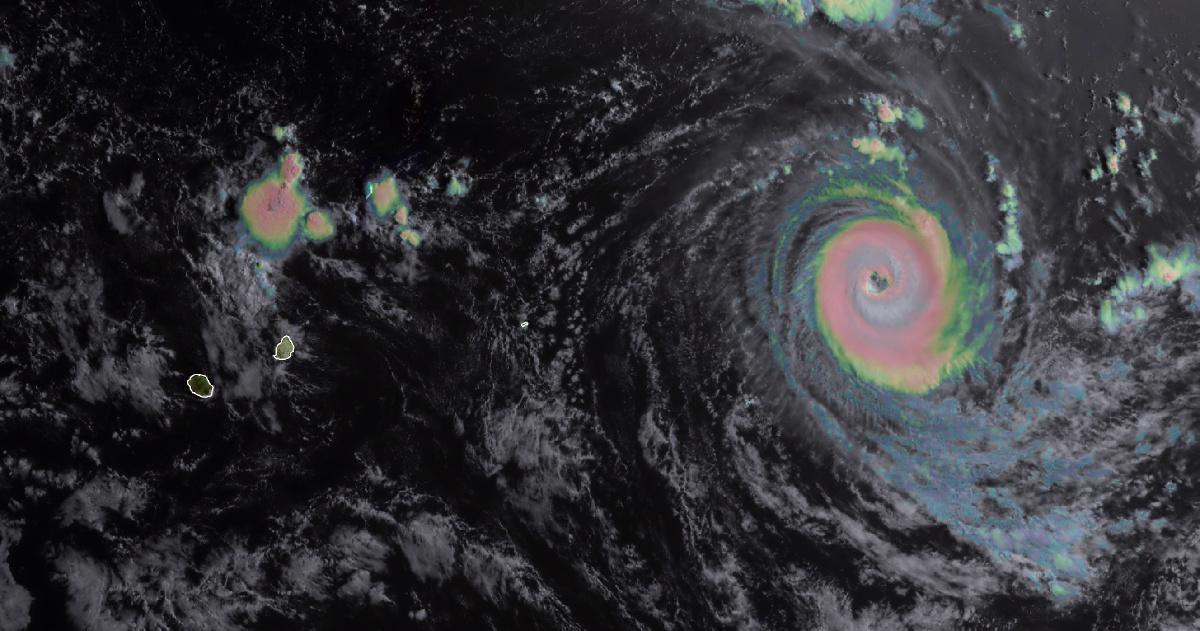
285 348
200 385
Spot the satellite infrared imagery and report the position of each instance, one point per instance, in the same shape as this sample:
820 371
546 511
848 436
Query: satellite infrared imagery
829 315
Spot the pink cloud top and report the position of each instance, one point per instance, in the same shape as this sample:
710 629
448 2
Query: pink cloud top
880 295
272 210
291 168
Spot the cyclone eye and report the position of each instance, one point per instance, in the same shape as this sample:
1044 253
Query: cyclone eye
877 282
